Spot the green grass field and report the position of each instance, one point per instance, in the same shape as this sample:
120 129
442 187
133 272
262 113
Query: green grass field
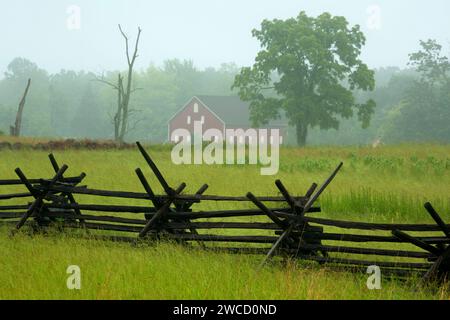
387 184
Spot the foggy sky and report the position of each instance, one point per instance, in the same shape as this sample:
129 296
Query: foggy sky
209 32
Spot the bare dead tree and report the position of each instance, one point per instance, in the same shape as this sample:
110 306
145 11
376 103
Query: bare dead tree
15 130
126 94
122 115
118 117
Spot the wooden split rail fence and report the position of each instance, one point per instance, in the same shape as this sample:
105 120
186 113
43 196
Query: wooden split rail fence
287 227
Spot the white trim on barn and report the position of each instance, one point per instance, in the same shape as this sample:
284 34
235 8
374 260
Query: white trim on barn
185 106
206 106
187 103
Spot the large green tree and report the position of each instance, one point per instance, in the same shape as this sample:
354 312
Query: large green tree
308 67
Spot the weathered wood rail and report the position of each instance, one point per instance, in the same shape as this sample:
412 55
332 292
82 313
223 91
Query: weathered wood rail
285 228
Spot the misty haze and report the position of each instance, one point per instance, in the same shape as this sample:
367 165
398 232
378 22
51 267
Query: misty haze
256 150
196 48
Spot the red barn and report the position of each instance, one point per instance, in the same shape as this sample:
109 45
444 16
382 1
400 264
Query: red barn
217 112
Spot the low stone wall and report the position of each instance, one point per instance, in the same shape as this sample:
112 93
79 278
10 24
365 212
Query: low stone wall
65 144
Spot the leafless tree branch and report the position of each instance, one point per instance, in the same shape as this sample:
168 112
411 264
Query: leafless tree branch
126 44
122 115
102 80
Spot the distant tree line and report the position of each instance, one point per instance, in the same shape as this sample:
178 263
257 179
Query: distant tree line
74 104
412 104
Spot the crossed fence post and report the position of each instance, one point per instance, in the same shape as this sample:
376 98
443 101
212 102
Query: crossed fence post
69 195
39 196
441 266
297 209
289 225
43 190
163 207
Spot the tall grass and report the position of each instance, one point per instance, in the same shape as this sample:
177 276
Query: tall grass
386 184
35 268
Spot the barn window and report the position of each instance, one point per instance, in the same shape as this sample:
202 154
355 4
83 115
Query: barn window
195 107
203 119
189 120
